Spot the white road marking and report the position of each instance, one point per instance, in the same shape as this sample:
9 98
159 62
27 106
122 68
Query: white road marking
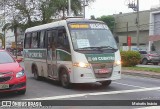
140 77
96 93
128 85
152 107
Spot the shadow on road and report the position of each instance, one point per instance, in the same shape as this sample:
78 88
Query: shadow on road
9 95
77 87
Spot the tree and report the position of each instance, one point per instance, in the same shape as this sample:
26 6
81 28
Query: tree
36 12
93 17
13 26
2 39
109 20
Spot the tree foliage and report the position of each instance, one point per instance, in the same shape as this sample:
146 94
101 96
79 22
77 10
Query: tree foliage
93 17
109 20
14 27
35 12
28 13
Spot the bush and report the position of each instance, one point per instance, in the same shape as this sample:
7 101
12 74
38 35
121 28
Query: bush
130 58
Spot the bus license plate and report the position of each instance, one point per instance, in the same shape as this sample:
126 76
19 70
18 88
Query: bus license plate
103 71
4 86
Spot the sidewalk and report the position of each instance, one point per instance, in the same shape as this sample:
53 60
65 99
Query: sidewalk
141 73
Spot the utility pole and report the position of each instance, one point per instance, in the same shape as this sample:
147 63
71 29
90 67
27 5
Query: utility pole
84 4
4 23
135 7
69 7
137 22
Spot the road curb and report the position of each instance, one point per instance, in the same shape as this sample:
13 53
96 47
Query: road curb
148 74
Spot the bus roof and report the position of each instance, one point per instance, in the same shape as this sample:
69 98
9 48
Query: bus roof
70 20
60 23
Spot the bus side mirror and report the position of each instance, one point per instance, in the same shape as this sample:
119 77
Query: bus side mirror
117 39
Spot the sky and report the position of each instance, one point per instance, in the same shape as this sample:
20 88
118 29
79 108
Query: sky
110 7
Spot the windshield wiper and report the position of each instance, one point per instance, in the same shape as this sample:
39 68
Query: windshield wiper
97 48
88 48
108 47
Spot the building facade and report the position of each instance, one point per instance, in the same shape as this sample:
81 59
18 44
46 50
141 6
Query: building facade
154 29
125 25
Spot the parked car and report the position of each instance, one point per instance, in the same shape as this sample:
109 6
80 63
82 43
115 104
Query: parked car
12 75
149 57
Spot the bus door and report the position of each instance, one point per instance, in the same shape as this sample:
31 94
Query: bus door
51 54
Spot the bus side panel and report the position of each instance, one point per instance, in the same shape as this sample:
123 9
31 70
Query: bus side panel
81 75
37 58
27 66
68 66
42 68
116 69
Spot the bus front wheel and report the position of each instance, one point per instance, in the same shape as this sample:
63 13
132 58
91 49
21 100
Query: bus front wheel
35 73
106 83
64 77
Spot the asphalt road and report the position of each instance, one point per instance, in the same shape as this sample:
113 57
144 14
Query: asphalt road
128 88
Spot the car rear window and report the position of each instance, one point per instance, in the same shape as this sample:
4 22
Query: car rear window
142 52
5 58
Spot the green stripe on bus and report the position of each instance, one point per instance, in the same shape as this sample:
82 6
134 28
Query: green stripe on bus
63 55
100 57
35 54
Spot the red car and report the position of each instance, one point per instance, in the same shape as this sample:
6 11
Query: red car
12 75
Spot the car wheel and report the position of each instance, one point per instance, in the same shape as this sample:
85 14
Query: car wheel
155 63
22 92
64 78
35 73
106 83
144 62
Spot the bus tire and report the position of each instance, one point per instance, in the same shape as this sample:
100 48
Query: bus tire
106 83
64 78
35 73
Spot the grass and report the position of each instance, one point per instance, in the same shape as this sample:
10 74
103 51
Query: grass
157 70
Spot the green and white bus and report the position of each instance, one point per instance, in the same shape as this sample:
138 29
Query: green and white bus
74 50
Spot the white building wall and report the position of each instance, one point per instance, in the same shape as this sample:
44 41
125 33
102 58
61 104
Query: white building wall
154 29
9 38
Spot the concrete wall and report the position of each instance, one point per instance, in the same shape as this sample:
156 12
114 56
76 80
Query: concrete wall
122 19
130 18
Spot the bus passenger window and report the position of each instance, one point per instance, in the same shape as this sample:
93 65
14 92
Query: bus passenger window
34 43
27 40
42 34
49 35
63 41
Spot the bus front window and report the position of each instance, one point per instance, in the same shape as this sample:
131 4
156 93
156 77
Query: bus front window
92 38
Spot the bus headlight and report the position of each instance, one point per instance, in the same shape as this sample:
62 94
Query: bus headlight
82 64
117 63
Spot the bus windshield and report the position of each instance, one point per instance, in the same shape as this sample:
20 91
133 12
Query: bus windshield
91 36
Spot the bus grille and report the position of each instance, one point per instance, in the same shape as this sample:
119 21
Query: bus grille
100 66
